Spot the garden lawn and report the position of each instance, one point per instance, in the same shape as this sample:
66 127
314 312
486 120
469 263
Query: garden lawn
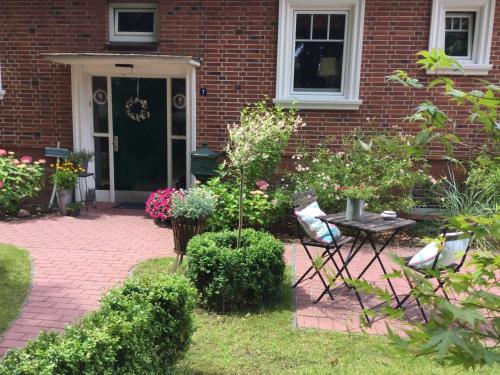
15 279
266 343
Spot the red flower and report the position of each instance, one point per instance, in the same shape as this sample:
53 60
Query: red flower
158 203
1 184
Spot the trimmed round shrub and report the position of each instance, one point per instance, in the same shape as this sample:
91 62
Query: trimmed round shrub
143 327
228 278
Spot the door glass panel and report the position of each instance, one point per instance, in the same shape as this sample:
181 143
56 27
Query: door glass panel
100 104
139 133
178 107
179 163
101 158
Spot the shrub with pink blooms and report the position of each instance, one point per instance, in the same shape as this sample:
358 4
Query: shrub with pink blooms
158 205
20 179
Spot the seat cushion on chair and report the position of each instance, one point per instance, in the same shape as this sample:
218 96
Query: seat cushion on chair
315 228
454 246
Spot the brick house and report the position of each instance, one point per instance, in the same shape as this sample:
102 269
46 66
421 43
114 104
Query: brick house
142 83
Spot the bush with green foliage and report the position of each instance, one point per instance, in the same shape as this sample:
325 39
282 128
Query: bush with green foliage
20 179
382 165
259 207
192 204
228 277
143 327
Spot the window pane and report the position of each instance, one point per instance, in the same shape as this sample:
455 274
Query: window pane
320 26
448 23
178 163
142 22
318 66
456 23
100 104
178 106
465 24
101 158
337 26
456 43
303 28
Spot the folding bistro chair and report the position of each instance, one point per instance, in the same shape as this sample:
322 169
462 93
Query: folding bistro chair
445 260
302 200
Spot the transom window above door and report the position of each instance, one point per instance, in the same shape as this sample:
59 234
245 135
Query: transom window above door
319 54
133 22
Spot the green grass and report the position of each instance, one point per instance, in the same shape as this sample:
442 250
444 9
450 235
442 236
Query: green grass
15 279
266 343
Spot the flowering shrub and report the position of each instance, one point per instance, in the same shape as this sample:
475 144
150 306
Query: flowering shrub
65 175
159 204
259 205
19 179
383 165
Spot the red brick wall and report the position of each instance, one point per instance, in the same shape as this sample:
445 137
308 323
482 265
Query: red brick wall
237 42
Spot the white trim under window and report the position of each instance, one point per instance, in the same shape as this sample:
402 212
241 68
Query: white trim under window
477 61
118 9
343 94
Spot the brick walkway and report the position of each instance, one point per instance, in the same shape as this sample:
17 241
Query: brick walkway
77 259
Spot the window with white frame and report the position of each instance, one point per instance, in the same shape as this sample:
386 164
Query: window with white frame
319 52
463 29
133 22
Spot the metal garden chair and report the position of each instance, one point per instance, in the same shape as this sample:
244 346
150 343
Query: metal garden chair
436 271
301 200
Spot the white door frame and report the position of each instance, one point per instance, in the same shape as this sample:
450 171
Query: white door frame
84 66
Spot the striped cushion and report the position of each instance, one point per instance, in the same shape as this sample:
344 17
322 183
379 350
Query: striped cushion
314 227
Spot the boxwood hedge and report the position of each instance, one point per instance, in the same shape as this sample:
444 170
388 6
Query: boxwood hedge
228 278
143 327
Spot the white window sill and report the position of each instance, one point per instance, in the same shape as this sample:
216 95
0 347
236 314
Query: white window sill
324 104
467 70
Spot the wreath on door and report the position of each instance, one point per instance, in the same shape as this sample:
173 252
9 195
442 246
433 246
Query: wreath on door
137 108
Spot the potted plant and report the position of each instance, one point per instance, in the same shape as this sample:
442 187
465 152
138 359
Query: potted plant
158 206
74 209
64 178
190 210
80 159
356 196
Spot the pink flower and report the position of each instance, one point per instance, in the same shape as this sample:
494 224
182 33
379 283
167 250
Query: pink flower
262 185
158 204
1 184
3 152
26 159
42 161
15 161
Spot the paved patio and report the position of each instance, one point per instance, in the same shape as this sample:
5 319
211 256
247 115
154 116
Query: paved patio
76 260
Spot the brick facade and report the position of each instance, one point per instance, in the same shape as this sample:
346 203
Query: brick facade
236 41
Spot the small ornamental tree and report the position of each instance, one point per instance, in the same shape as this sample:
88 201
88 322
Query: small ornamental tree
466 329
257 143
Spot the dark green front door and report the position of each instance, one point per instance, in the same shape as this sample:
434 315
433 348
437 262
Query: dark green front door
139 136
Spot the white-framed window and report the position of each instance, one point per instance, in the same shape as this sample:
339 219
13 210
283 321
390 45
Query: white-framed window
133 22
319 53
463 29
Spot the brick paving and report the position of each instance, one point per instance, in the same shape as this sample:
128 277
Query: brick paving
76 260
